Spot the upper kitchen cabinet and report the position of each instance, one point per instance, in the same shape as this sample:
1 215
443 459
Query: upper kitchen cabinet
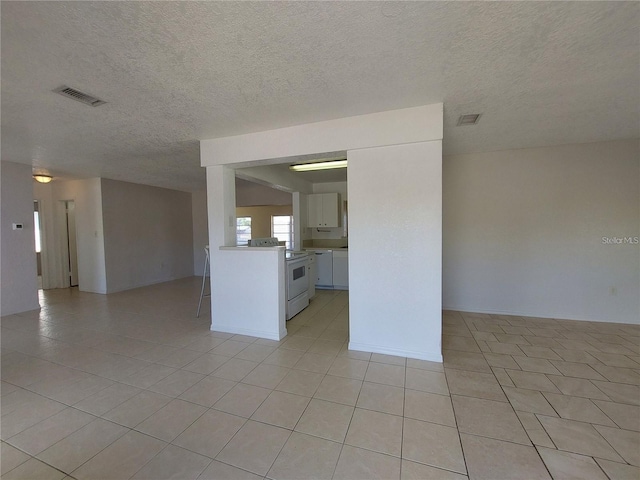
324 210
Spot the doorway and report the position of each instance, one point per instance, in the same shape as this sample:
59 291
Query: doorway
38 240
71 242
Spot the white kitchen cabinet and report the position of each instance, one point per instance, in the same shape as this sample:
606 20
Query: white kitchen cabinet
323 210
341 269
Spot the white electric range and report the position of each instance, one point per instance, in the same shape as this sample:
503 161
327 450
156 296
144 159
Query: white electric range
297 275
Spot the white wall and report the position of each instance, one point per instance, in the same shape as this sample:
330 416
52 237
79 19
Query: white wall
395 250
523 232
251 194
19 274
200 229
148 234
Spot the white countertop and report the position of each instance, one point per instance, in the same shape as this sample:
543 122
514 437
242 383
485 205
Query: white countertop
253 249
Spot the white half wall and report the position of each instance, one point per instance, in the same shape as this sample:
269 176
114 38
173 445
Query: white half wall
148 234
395 250
524 229
19 272
242 302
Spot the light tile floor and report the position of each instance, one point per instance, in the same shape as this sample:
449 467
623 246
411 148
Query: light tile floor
131 385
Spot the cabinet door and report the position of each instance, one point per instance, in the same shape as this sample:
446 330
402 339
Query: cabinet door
323 210
340 270
314 210
330 210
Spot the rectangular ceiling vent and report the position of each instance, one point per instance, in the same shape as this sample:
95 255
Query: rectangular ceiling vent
469 119
79 96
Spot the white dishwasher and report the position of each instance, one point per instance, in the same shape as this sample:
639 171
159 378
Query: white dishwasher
324 268
312 275
341 269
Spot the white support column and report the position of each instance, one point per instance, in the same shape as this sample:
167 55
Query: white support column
221 205
395 250
298 228
221 208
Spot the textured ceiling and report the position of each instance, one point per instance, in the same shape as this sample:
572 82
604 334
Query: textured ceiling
541 73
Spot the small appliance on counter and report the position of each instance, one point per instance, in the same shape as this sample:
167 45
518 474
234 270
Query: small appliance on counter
264 242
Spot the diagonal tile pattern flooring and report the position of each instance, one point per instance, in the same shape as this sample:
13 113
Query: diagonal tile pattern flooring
131 385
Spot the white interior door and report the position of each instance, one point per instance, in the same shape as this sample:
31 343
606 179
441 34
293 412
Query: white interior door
72 243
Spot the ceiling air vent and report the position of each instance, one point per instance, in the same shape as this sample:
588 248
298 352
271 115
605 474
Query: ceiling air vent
468 119
79 96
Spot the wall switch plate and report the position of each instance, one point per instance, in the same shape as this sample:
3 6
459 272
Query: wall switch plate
17 226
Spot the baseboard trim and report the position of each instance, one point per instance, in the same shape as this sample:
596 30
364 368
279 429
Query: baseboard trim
557 316
23 309
124 288
248 331
419 355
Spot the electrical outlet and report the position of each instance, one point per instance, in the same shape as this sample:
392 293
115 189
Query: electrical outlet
17 226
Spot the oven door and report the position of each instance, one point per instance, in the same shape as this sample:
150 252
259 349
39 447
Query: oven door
297 277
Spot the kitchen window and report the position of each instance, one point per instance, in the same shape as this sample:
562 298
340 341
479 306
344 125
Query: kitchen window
282 228
243 230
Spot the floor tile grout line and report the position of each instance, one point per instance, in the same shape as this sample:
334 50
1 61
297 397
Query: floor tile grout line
588 399
225 445
97 453
155 456
521 425
335 467
335 357
31 457
585 423
275 458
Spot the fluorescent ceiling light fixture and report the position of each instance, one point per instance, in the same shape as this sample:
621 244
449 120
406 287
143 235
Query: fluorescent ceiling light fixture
42 178
327 165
